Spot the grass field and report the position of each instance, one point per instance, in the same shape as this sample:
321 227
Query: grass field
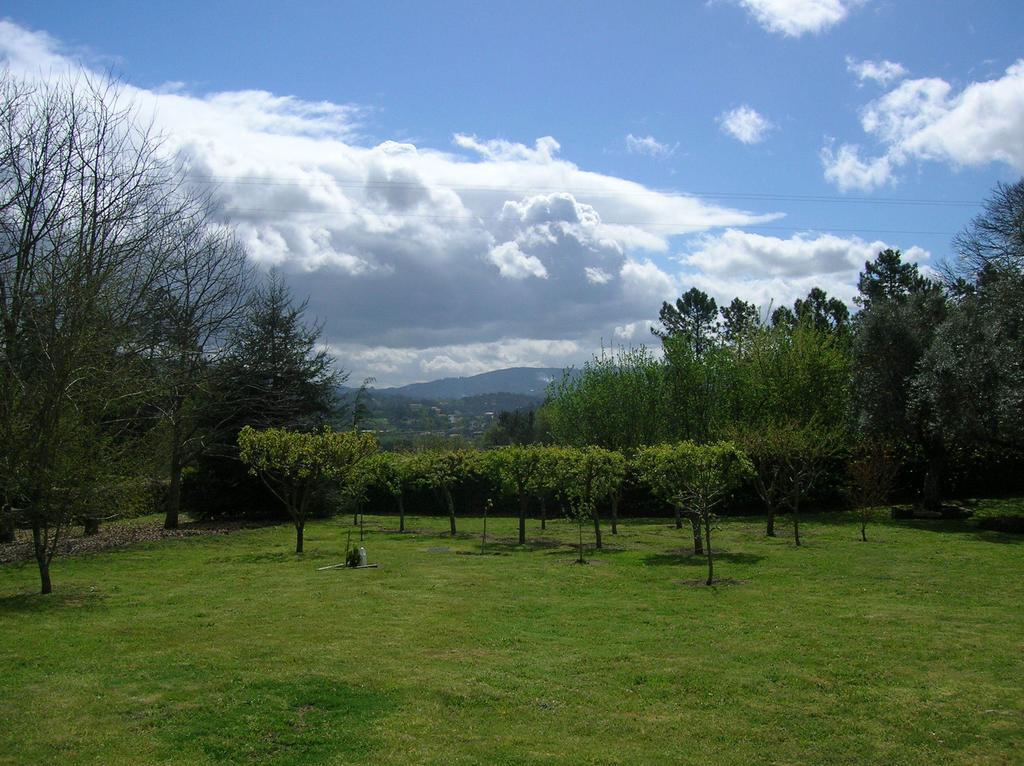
907 649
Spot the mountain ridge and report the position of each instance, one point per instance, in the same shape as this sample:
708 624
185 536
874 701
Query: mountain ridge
529 381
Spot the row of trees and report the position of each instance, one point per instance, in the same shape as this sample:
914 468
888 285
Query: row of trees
694 479
134 336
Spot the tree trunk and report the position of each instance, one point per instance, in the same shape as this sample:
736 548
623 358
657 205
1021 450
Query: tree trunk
579 524
522 519
299 527
543 512
6 526
796 520
711 558
615 513
451 509
39 547
679 516
698 535
770 531
863 527
597 529
932 494
91 526
174 490
401 513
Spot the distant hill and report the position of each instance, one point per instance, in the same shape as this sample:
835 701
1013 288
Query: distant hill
528 381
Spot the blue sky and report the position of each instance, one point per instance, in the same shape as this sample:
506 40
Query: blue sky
464 186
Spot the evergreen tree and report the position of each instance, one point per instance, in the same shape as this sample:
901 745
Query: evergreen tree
277 368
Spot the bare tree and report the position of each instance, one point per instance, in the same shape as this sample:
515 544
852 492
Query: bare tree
84 191
873 473
198 298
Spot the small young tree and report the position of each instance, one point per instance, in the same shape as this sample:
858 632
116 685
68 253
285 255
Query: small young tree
710 472
807 452
293 465
873 472
765 446
589 474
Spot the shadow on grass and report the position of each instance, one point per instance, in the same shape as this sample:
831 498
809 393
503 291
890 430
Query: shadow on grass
690 559
435 534
35 602
294 721
783 525
531 544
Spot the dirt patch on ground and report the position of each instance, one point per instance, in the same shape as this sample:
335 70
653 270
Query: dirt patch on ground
535 542
115 535
719 581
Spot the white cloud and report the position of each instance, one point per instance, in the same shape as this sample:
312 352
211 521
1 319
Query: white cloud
882 72
639 330
513 263
848 171
388 364
648 282
649 145
745 125
763 268
926 120
411 254
794 18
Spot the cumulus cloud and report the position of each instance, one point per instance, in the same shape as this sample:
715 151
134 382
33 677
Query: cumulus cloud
926 119
881 72
764 268
649 145
418 260
794 18
513 263
745 125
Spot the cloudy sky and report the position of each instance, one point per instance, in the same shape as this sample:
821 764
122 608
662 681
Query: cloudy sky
464 186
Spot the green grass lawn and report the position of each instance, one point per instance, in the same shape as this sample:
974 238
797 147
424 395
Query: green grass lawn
231 649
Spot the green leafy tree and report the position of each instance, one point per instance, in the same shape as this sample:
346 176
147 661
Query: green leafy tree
662 468
277 365
616 402
514 427
517 469
546 482
893 331
692 320
739 320
273 373
589 474
393 472
294 464
442 472
696 478
970 379
709 473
